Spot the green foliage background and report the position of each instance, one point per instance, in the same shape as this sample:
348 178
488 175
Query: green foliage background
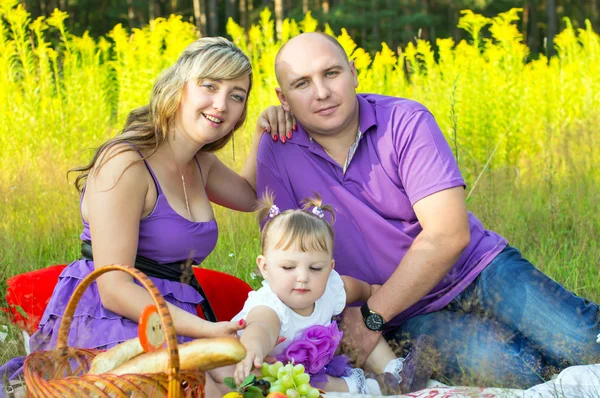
525 134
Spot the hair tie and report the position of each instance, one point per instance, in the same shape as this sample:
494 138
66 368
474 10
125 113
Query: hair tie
317 211
273 211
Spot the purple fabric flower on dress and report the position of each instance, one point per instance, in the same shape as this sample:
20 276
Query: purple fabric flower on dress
314 348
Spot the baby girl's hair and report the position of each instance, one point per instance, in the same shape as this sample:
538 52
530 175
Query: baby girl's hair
306 227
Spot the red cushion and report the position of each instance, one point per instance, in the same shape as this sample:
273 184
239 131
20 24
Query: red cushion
225 293
30 292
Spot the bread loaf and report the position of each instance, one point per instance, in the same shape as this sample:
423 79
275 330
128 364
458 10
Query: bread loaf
110 359
199 354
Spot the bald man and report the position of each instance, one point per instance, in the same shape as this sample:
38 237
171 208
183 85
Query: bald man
402 221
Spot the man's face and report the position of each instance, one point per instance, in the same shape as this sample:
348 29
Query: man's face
318 85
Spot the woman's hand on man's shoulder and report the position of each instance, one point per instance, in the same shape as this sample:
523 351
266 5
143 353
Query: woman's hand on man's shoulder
277 122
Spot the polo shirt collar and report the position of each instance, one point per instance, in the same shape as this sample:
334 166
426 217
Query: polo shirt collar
367 119
366 114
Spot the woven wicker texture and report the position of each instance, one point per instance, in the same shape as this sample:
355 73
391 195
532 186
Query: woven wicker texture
63 372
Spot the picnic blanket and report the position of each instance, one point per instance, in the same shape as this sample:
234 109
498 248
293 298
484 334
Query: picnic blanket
573 382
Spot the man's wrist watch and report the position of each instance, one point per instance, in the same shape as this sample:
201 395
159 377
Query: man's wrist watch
373 320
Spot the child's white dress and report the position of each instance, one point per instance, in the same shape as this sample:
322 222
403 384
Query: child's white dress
331 303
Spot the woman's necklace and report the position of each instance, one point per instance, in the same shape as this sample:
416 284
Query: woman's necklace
187 203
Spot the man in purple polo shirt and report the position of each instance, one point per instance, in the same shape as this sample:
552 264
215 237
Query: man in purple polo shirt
401 221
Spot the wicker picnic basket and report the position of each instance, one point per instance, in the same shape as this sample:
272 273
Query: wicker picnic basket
63 372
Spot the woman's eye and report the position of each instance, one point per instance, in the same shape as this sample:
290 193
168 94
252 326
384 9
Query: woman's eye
316 269
238 98
288 268
209 86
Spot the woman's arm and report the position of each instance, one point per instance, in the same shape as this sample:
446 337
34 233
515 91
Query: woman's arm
357 290
115 198
238 192
259 337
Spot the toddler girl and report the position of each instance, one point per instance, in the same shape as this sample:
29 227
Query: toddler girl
290 316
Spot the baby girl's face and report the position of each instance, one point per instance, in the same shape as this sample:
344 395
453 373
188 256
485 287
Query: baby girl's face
298 278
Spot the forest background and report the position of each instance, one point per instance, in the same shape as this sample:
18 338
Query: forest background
515 90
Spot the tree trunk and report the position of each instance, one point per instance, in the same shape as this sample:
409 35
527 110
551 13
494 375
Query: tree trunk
243 14
151 10
551 29
533 37
230 10
199 16
325 6
376 23
130 13
304 6
594 14
278 17
213 20
173 5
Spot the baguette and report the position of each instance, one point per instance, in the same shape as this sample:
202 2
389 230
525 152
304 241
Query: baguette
110 359
199 354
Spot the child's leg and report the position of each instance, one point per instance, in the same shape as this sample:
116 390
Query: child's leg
214 386
380 357
335 384
214 381
411 373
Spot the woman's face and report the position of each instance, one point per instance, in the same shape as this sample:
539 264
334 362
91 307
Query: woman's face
209 109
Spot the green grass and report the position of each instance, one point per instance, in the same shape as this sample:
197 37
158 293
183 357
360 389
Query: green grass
555 225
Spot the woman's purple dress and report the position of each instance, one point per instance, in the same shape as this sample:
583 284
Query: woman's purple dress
165 237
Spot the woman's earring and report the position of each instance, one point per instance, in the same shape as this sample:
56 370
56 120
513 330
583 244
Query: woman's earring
172 128
233 147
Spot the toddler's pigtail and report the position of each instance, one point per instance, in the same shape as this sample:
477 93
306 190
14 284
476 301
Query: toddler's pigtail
266 207
315 206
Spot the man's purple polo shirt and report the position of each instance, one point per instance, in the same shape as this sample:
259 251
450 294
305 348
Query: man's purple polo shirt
401 158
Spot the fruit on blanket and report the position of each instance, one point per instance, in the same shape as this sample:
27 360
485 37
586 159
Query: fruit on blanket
289 380
233 394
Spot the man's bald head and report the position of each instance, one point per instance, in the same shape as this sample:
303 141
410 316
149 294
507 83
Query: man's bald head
296 42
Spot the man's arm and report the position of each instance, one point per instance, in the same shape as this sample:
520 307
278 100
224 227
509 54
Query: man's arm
444 219
445 235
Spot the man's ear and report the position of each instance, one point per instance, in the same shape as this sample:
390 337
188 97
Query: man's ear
354 73
332 263
282 99
261 261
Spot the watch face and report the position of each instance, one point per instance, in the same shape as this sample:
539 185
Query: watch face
374 322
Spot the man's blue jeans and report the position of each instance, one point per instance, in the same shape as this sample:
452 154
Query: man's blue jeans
511 327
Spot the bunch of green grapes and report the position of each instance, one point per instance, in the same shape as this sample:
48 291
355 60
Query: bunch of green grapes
290 380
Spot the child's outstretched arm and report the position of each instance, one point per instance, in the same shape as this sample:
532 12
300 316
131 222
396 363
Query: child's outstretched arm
357 290
259 338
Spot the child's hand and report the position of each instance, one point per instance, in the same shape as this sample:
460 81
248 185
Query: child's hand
226 329
244 367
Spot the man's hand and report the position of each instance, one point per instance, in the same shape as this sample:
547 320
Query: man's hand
277 122
358 341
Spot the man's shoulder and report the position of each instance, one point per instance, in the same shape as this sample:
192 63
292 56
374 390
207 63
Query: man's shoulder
386 103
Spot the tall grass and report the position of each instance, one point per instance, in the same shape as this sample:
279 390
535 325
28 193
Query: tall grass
526 132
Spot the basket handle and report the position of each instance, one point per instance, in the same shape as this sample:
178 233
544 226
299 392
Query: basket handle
173 370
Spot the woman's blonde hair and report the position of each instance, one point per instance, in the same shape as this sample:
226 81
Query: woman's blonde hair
146 127
302 227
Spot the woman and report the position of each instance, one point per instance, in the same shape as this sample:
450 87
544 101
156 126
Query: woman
146 194
145 201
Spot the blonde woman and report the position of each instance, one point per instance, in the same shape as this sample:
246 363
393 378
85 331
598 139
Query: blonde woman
146 201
